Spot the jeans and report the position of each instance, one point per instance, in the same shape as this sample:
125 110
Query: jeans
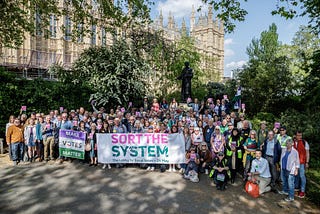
17 151
300 179
288 182
191 166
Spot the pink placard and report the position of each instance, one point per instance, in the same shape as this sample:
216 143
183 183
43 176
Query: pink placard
24 108
277 125
123 110
225 97
243 106
61 109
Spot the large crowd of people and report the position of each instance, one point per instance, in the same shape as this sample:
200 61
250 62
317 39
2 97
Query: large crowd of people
219 142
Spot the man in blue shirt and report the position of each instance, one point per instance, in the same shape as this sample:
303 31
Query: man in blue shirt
260 171
271 151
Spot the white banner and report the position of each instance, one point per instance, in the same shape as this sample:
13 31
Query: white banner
160 148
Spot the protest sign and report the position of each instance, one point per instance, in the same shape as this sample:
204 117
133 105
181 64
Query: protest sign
72 143
157 148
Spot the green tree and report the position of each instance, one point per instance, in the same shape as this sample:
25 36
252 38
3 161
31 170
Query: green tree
266 79
116 74
33 16
231 11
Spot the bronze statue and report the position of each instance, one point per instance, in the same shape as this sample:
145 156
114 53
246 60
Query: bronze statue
186 77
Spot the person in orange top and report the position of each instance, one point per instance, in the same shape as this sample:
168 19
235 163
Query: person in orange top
303 148
15 141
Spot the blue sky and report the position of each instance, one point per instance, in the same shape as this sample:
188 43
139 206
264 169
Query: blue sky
259 18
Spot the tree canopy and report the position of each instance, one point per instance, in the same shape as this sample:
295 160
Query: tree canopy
230 11
32 16
116 74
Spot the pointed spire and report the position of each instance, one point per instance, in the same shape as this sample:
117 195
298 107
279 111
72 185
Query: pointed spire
170 21
210 14
192 19
183 27
193 13
161 18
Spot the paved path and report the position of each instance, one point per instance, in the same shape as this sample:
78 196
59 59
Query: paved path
77 188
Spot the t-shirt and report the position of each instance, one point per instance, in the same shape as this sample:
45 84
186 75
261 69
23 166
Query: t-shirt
285 160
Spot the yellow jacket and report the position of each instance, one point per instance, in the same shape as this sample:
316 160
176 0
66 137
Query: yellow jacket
15 134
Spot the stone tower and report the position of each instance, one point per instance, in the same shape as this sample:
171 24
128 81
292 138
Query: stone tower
208 33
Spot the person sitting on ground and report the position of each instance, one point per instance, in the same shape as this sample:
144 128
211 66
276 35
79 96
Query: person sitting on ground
192 161
260 171
205 158
220 171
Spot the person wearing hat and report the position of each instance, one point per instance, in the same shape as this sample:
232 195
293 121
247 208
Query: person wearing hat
283 137
220 171
192 161
196 137
289 169
205 158
234 152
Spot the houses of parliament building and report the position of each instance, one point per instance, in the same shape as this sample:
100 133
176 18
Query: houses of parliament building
38 53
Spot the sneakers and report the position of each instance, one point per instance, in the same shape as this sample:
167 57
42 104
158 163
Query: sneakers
186 176
104 166
182 171
283 193
206 171
149 168
289 199
301 195
152 168
170 169
109 166
173 169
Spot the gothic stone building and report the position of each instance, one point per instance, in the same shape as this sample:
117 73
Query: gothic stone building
37 53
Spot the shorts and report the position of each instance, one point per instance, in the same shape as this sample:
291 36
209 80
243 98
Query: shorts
31 143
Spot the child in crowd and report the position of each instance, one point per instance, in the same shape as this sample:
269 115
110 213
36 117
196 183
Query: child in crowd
192 161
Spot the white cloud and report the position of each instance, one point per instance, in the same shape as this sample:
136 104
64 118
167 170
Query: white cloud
228 52
178 8
233 65
228 41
